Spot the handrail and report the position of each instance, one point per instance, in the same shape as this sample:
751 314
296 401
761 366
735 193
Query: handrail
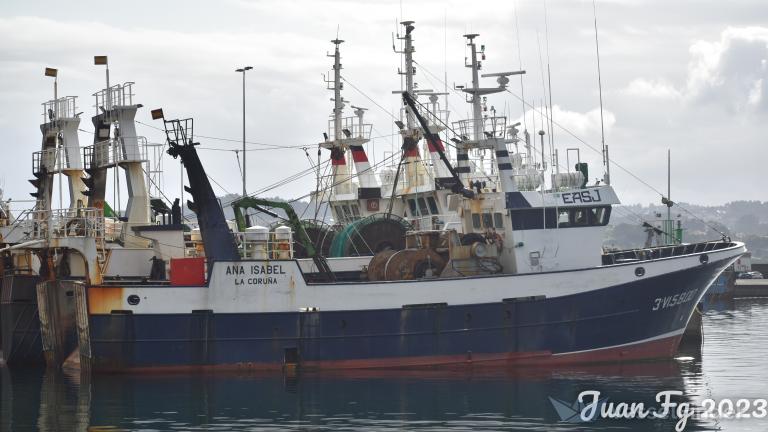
496 127
66 223
116 95
665 251
63 107
19 221
355 128
114 151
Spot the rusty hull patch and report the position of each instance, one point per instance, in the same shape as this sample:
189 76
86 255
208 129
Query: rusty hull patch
103 300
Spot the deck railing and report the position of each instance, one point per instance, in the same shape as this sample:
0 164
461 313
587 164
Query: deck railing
49 159
109 152
63 107
65 223
116 95
493 127
645 254
353 126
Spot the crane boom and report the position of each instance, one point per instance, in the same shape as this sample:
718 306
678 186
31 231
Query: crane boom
458 186
293 221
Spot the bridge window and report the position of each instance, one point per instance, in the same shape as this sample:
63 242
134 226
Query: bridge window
583 216
412 206
600 215
498 220
475 221
573 217
423 207
347 213
579 217
432 205
487 220
530 219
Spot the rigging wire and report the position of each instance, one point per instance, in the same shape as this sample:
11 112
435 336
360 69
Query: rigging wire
351 176
519 60
249 150
218 184
549 82
623 168
157 187
626 170
600 92
270 146
273 146
521 99
370 99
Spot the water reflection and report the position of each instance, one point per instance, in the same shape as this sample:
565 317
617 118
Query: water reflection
469 399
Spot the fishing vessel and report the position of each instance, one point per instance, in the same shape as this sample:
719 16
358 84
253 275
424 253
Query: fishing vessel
412 192
38 266
525 281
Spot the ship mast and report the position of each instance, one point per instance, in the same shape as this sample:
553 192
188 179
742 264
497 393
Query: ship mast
415 170
60 152
335 142
475 91
338 106
348 134
482 132
409 70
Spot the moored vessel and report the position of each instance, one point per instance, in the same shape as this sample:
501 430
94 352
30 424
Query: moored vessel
534 288
518 276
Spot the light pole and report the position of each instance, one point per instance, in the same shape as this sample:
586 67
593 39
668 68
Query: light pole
242 70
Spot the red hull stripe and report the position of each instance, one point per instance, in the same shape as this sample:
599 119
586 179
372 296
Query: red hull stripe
433 146
414 152
656 349
358 154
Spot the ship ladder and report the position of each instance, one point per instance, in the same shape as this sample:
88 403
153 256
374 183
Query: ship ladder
101 251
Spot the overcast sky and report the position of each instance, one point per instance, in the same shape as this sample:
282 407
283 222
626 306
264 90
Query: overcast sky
682 75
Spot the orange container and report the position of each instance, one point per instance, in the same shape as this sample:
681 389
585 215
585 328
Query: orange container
187 271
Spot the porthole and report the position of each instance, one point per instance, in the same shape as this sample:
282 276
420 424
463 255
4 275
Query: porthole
639 271
133 299
704 258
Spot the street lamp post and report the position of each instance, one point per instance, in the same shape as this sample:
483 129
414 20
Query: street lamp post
243 70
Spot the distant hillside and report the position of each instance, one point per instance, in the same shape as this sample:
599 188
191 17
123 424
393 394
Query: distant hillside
745 221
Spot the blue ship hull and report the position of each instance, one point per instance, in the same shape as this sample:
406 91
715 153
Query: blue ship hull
642 319
19 321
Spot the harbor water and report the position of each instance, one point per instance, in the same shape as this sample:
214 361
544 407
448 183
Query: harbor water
729 364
